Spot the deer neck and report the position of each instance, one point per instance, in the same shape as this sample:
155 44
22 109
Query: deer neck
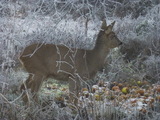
96 57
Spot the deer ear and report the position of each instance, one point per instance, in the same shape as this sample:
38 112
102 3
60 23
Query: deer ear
112 24
109 28
104 25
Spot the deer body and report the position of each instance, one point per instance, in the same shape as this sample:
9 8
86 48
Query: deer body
42 61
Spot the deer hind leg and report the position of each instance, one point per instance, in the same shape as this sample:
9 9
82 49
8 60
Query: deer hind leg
24 87
34 83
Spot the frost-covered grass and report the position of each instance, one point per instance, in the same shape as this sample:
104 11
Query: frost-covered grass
105 101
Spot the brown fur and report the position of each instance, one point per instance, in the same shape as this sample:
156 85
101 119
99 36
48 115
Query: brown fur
63 63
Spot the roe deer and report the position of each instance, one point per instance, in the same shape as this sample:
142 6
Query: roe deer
42 61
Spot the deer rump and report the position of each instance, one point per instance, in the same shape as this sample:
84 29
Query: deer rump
63 63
